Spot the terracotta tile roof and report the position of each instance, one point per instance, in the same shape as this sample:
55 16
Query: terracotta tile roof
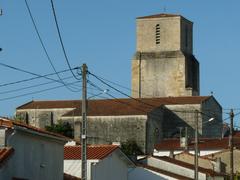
70 177
115 107
159 16
93 151
167 173
189 154
189 166
8 123
212 155
5 153
50 104
108 107
236 134
204 144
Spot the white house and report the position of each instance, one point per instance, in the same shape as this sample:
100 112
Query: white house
28 152
170 165
206 146
104 162
143 172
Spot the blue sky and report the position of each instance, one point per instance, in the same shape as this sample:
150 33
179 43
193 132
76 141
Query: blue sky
102 34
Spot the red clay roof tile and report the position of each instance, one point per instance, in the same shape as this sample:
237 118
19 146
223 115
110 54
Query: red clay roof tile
93 151
5 153
204 144
190 166
108 107
8 123
70 177
164 172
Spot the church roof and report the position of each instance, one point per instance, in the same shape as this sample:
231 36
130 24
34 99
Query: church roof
107 107
162 15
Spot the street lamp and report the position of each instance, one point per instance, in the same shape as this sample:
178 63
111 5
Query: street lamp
196 143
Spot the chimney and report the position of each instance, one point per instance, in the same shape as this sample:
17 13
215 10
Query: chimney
217 167
184 138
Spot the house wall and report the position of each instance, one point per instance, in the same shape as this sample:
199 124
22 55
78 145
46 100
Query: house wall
225 158
5 170
73 167
41 117
140 173
35 157
111 167
205 163
173 168
167 152
109 129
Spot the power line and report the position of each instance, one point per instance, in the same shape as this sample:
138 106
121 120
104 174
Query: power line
119 90
30 79
118 100
32 86
36 92
28 72
104 79
43 46
130 105
60 39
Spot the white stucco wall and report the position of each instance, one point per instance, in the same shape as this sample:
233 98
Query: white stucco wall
167 153
110 168
73 167
35 157
170 167
140 173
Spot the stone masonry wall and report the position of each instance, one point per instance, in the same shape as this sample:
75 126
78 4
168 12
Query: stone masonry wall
157 76
109 129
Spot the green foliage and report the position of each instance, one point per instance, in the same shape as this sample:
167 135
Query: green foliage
63 128
131 148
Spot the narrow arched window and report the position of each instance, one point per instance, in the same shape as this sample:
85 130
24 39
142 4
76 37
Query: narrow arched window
157 34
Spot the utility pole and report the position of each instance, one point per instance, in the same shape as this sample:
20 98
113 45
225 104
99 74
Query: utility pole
84 123
231 144
196 146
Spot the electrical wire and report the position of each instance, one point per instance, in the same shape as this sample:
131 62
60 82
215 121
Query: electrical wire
176 111
44 47
117 99
28 72
145 111
32 86
36 92
60 39
30 79
104 79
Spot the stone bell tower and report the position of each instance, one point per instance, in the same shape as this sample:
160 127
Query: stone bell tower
163 64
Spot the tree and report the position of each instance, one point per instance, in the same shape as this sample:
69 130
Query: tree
63 128
131 148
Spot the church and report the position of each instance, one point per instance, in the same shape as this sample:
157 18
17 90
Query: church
165 91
